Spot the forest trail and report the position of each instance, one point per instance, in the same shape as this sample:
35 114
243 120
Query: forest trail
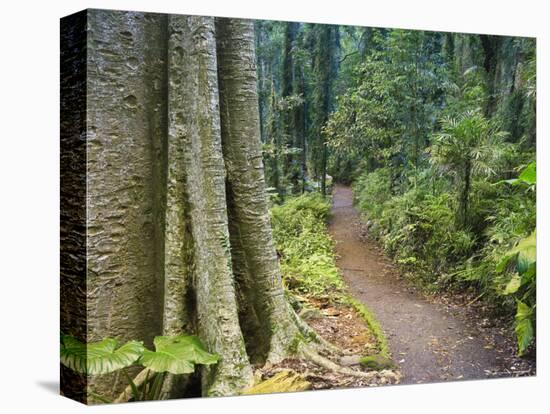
431 342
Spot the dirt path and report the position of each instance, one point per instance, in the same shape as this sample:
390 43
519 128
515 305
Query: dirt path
431 342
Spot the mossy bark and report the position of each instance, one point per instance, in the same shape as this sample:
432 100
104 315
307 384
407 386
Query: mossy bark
255 261
126 130
216 305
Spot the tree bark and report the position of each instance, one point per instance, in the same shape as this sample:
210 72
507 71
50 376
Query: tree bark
255 261
323 67
126 131
178 236
289 88
73 191
465 194
216 305
490 46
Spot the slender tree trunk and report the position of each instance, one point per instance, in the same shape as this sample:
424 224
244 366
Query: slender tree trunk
300 122
275 140
324 69
324 169
464 197
448 47
491 46
288 87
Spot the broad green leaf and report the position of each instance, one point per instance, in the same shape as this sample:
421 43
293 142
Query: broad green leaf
527 252
529 274
523 311
524 333
100 357
529 174
177 354
524 326
513 285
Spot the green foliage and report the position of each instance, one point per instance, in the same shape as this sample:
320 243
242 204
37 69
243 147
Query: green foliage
524 254
177 355
373 190
173 354
528 177
307 256
97 358
467 146
388 111
434 130
306 249
496 255
470 138
523 286
417 227
524 326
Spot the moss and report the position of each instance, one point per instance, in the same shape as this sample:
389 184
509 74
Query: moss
310 313
377 362
295 343
374 325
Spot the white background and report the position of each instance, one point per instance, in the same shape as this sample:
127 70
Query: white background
29 203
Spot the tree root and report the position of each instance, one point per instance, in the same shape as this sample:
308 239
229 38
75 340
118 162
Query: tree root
308 353
312 335
308 344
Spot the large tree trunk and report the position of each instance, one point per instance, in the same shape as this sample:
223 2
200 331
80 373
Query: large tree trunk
216 304
73 191
126 130
254 258
178 234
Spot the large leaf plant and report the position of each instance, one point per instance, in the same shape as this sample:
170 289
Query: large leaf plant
522 260
172 354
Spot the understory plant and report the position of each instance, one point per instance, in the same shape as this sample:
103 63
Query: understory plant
173 354
306 250
494 257
308 261
523 260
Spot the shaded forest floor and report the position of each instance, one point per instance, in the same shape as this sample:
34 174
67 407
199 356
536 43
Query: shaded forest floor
343 326
431 338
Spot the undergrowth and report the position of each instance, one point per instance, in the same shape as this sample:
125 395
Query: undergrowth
418 227
308 261
306 249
